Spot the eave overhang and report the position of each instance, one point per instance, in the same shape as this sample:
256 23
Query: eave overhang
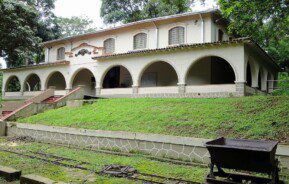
44 65
171 48
152 22
245 40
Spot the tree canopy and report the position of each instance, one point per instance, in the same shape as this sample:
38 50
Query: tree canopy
264 21
74 26
24 25
114 11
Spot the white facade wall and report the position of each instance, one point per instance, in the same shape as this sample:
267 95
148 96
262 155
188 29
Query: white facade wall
124 39
197 30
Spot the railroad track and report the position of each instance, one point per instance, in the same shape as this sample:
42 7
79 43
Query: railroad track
76 164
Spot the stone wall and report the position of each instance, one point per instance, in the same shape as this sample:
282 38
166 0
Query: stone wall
185 148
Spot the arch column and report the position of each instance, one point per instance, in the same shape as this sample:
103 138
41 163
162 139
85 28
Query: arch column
255 72
264 80
182 88
97 89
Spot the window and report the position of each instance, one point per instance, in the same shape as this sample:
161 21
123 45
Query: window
109 46
140 41
176 35
60 53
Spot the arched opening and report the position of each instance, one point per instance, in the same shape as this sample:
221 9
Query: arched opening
13 84
32 83
249 75
56 80
159 74
117 77
86 79
210 70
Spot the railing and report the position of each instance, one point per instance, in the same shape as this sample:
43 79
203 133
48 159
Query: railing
116 91
42 96
31 93
277 85
60 92
69 94
12 94
211 88
153 90
16 110
11 106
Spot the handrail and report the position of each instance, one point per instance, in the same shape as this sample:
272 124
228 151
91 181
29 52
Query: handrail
30 99
15 111
68 94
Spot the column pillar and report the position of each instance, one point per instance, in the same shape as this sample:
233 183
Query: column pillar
182 88
240 88
68 90
134 89
97 90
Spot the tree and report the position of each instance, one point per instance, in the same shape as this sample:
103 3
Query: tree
264 21
74 26
24 25
114 11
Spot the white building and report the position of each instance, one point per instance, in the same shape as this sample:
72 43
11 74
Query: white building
185 55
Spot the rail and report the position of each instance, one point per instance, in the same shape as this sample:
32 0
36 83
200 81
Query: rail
68 94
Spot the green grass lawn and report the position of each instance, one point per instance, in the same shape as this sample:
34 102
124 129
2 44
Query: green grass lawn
96 162
257 117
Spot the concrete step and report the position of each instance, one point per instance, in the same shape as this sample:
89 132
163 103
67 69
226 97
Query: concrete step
51 99
9 174
4 113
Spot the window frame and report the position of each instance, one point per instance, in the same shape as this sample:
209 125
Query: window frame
169 36
146 41
105 52
62 56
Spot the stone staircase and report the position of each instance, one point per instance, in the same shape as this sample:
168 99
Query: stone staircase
51 99
45 100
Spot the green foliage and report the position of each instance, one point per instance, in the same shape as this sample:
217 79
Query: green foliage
283 84
258 117
13 85
74 26
125 11
265 21
24 25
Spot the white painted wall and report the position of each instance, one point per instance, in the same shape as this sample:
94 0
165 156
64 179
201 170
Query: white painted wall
124 39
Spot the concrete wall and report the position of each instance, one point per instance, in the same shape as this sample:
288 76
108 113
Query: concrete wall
185 148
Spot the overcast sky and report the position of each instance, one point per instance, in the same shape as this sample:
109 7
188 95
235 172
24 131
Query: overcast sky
91 9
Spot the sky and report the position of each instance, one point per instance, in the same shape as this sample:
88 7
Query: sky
91 9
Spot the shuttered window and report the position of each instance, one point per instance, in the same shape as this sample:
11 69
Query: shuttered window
140 41
177 35
109 46
60 53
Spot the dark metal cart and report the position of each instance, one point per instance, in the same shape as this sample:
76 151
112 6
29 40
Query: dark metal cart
242 155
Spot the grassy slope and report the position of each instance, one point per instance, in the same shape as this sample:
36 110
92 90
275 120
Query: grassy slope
248 117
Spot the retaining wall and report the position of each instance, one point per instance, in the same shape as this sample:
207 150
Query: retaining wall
185 148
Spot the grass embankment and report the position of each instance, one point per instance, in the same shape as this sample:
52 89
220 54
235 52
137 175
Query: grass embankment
96 162
257 117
